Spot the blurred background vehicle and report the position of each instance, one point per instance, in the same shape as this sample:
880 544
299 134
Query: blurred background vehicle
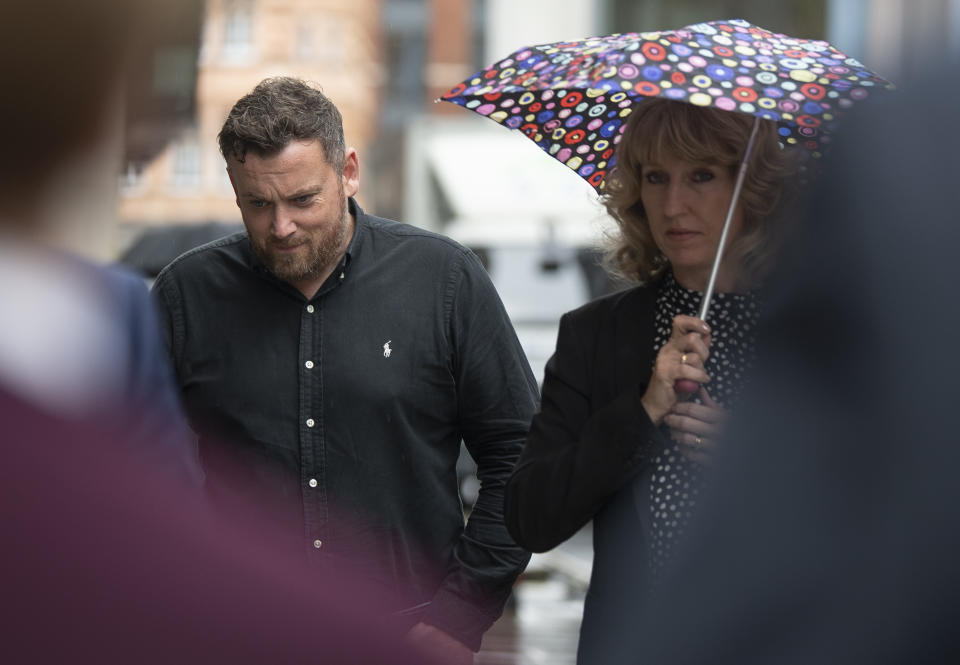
157 246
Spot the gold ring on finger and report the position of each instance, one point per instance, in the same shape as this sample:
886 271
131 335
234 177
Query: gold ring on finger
683 359
698 440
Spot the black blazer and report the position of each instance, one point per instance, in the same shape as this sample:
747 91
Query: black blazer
585 453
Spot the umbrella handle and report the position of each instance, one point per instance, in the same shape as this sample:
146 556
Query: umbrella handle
685 388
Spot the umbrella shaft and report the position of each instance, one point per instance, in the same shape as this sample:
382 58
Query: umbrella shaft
738 185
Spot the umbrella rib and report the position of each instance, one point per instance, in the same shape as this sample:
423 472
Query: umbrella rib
738 185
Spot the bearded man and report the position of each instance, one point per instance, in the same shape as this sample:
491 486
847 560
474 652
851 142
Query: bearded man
337 359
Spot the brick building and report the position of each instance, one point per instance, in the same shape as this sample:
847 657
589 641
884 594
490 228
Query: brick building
334 43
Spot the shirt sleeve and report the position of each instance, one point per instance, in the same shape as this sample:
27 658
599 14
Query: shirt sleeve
497 396
166 297
156 422
576 456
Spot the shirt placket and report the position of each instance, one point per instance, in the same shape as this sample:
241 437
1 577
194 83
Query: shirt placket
313 486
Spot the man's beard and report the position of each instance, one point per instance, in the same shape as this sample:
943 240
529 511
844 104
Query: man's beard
317 252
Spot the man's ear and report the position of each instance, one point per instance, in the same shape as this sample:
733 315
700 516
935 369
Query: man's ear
351 172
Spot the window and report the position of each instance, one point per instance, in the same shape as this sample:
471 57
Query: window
238 29
322 39
305 46
131 180
185 160
404 24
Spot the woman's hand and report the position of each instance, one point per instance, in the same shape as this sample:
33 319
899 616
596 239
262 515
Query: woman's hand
696 426
682 357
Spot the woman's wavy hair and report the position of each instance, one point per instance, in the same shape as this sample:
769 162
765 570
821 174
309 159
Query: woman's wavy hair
661 127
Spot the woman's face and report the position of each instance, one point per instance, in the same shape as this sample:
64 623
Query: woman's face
686 204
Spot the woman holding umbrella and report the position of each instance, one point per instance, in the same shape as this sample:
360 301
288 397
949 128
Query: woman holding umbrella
698 167
616 439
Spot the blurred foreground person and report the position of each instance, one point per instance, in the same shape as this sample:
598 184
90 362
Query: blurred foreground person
109 561
109 557
614 441
341 358
78 341
832 532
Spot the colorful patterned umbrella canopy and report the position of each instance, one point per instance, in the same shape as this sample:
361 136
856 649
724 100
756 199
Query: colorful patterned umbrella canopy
573 98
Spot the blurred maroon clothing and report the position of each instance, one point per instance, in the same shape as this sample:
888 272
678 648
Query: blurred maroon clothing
109 560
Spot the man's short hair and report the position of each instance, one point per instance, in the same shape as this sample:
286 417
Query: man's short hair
278 111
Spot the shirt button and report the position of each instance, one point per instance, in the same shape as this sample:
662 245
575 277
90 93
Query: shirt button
312 482
317 544
310 308
308 364
310 422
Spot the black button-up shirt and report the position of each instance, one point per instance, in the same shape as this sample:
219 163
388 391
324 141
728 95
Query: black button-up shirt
351 406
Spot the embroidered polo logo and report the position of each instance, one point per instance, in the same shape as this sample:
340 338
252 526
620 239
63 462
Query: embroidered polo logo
386 349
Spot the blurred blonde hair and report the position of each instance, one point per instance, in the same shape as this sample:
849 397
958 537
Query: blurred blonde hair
659 127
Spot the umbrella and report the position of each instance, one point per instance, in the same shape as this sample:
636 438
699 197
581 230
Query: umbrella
573 98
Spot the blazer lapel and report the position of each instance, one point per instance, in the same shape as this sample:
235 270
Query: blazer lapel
634 337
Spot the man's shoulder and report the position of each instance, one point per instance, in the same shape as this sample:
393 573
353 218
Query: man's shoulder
201 260
408 234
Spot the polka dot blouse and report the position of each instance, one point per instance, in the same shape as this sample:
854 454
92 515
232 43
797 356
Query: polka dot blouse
675 482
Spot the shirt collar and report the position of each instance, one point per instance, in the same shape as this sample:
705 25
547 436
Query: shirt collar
359 220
